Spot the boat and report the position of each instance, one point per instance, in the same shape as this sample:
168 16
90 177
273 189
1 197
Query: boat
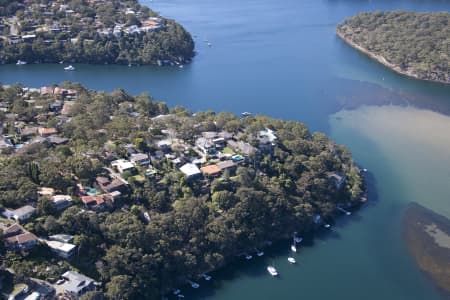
246 114
195 285
364 170
206 277
298 239
181 66
272 271
327 226
180 296
291 260
176 292
209 44
259 253
248 257
21 62
293 248
69 68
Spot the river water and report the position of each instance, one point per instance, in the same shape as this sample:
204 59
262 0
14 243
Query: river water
282 58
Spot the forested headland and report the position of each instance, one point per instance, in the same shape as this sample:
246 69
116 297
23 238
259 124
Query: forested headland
90 31
411 43
196 190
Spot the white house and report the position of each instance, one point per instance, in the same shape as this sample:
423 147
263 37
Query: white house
64 250
19 214
190 170
122 165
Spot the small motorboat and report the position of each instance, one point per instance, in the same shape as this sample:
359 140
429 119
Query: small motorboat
209 45
327 226
69 68
21 62
176 292
246 114
206 277
195 285
291 260
293 248
298 239
180 296
248 257
272 271
259 253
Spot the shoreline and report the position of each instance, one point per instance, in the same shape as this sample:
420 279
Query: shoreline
383 60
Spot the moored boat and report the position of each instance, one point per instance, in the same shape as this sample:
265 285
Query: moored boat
293 248
21 62
69 68
291 260
272 271
206 277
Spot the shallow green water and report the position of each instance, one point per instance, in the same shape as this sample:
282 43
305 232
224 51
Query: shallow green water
283 59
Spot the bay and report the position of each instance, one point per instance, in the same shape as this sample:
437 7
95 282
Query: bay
282 58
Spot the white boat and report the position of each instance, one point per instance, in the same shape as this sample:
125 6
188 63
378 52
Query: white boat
327 226
298 239
180 296
176 292
69 68
293 248
272 271
260 253
246 114
364 170
21 62
195 285
248 257
209 44
181 66
206 277
291 260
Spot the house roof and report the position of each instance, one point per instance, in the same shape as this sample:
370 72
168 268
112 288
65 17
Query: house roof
24 210
226 164
98 199
138 157
60 246
211 170
59 198
57 140
64 238
190 169
75 282
14 228
47 131
21 238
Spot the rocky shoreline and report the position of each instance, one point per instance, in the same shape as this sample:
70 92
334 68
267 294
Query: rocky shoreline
383 60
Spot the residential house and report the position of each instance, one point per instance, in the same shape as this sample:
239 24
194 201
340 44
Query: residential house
211 170
140 159
46 132
96 202
76 284
190 170
28 131
109 186
64 250
19 214
123 165
205 145
338 179
227 164
62 201
14 229
63 238
57 140
22 241
240 146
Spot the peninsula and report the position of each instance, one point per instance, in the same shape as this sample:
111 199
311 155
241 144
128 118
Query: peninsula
410 43
90 31
123 191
